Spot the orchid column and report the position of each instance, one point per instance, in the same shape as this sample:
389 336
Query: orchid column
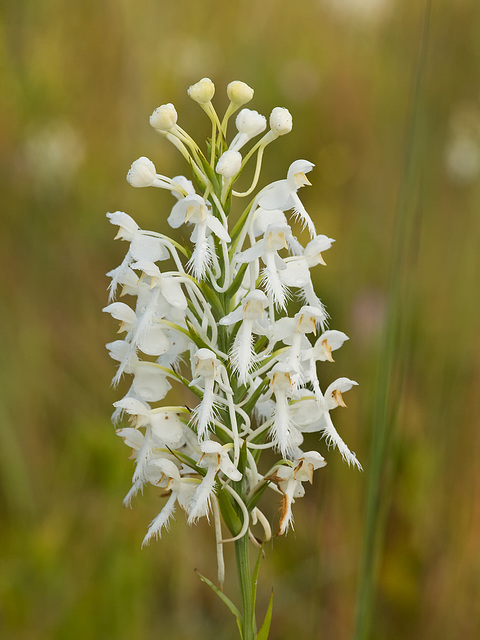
216 314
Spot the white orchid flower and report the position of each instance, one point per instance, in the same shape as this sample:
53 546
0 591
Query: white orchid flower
263 218
283 193
284 433
297 274
180 489
289 480
274 239
206 370
292 331
250 313
214 458
169 286
329 341
121 351
202 91
306 409
163 428
194 210
164 423
142 247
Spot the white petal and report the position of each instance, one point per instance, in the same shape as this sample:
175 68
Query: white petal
265 217
229 469
148 248
201 500
173 293
150 382
128 226
342 385
121 351
233 317
275 196
297 273
167 429
154 342
156 526
133 406
177 214
252 253
132 437
217 227
121 311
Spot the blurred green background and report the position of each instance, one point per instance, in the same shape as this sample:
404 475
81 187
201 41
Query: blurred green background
78 81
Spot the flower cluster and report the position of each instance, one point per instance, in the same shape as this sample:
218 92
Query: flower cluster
231 316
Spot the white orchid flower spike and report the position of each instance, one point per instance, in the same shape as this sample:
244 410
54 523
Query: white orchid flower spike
224 316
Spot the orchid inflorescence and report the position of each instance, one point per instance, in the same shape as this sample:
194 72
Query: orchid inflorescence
212 315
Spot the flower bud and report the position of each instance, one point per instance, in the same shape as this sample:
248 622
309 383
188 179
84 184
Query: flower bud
239 92
202 91
142 173
281 121
164 117
250 122
229 164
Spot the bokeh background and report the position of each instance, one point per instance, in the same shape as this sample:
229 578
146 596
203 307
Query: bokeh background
396 183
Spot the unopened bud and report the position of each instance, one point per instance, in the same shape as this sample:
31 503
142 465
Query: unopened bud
281 121
229 164
142 173
250 122
239 92
164 118
202 91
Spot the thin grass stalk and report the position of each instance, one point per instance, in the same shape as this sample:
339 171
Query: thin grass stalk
387 396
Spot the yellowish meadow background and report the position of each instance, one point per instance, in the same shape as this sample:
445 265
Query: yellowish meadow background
78 81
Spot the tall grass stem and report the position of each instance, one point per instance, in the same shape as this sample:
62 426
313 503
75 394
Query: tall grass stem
387 395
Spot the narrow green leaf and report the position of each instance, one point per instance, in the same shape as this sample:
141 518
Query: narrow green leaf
212 298
190 462
256 570
237 281
255 498
248 407
239 225
265 628
194 336
210 173
222 597
229 514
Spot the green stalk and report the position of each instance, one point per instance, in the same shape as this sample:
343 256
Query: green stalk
242 554
387 398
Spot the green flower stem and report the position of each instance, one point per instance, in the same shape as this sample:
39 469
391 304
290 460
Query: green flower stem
246 587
